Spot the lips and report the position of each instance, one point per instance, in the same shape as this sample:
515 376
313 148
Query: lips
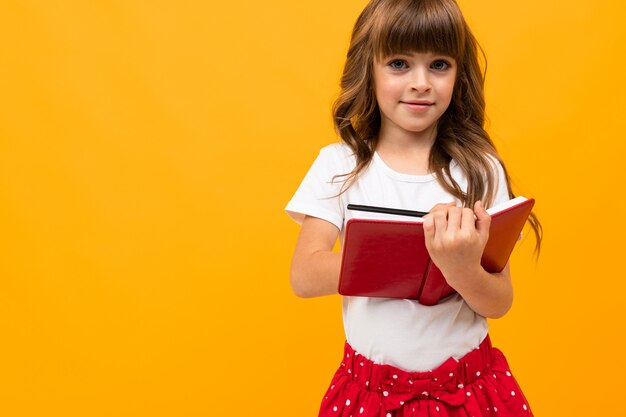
419 102
417 106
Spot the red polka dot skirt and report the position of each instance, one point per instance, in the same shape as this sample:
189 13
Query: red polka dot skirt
478 384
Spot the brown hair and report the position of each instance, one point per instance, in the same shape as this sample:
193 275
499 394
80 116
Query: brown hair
388 27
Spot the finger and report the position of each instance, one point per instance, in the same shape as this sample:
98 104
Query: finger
469 220
440 221
442 206
484 219
429 228
454 218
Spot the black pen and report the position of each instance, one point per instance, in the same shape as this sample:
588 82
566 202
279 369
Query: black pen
386 210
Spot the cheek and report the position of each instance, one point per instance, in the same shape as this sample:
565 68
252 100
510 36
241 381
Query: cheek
447 89
382 94
389 92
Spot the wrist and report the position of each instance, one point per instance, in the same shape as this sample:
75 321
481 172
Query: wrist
468 276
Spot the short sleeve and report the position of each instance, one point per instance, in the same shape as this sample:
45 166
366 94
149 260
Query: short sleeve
502 189
318 194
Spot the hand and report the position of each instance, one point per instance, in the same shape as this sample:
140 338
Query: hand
441 207
455 239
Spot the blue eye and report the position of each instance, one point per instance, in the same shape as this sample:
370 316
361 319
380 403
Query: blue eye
397 64
440 65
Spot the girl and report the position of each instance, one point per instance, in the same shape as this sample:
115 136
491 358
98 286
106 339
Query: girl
410 116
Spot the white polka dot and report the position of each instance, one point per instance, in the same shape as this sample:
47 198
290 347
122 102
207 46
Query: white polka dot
512 392
349 371
460 386
367 383
425 393
410 381
468 393
361 410
524 407
395 377
401 402
335 408
347 355
477 373
494 375
388 414
361 363
508 373
347 402
385 393
437 408
451 374
495 409
480 386
332 386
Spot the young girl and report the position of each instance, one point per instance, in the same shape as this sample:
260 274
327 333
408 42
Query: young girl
410 116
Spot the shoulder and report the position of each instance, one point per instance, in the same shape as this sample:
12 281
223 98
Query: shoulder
493 174
500 183
338 150
495 167
493 161
338 155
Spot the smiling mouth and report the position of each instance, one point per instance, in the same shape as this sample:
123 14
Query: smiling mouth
417 107
418 103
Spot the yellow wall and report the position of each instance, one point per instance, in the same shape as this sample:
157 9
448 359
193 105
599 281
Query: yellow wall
147 149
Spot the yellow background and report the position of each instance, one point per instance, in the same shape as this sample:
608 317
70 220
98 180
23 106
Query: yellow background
147 150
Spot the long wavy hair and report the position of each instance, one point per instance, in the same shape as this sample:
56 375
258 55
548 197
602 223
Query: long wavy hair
389 27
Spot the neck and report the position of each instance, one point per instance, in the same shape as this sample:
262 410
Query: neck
406 152
407 141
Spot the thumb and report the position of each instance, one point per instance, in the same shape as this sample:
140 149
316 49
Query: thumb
483 221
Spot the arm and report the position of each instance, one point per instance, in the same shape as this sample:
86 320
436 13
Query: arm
314 266
455 242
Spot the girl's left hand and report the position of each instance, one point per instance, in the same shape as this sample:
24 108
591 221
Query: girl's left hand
455 239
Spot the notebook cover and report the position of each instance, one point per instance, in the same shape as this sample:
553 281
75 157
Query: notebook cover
506 226
435 286
383 258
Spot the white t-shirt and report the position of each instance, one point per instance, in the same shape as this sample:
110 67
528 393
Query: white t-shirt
398 332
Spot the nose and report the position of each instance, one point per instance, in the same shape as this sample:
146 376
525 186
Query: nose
419 79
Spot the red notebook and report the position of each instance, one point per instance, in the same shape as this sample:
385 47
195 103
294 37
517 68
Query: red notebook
388 258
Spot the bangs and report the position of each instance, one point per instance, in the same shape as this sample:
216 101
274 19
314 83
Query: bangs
418 26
